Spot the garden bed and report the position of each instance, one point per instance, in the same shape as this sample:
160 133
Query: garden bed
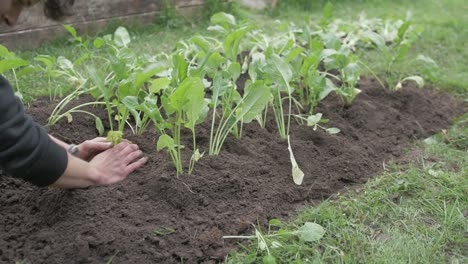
155 217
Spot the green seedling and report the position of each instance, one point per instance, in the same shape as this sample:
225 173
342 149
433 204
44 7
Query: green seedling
185 106
164 231
10 62
315 121
309 232
254 101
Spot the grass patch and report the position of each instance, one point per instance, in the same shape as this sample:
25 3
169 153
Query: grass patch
413 213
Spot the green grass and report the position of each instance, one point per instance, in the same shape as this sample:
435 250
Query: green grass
413 213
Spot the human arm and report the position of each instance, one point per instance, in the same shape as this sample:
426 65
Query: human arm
26 151
108 167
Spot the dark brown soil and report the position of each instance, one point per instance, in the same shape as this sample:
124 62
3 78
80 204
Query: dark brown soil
250 181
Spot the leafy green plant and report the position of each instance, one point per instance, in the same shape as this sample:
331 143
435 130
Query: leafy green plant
341 59
256 96
279 75
309 232
396 52
185 106
67 69
10 62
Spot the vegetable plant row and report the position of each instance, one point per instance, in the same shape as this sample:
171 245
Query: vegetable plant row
289 73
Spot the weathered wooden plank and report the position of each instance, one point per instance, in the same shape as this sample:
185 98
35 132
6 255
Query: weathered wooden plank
33 28
92 10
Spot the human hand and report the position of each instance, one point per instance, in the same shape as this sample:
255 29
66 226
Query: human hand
90 148
115 164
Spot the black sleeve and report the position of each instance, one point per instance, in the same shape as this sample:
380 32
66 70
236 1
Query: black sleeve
26 150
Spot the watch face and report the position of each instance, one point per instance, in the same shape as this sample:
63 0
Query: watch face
73 149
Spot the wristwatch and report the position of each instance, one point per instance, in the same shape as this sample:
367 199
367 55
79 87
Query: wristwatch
73 149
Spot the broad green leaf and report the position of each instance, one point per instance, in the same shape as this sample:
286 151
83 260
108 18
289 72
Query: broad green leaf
64 63
297 173
217 28
150 108
13 63
402 30
293 54
99 126
256 65
209 65
143 76
333 130
204 112
98 43
194 110
310 232
377 39
4 52
280 72
97 78
426 60
233 40
254 101
235 70
419 80
122 37
181 95
276 223
165 141
327 53
223 19
314 119
310 64
215 60
131 102
220 85
189 97
71 30
158 85
114 136
201 42
329 87
352 73
47 60
120 68
179 72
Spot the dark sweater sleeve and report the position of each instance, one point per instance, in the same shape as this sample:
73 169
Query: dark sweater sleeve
26 150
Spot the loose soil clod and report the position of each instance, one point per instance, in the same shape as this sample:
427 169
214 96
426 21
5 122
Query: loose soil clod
251 180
